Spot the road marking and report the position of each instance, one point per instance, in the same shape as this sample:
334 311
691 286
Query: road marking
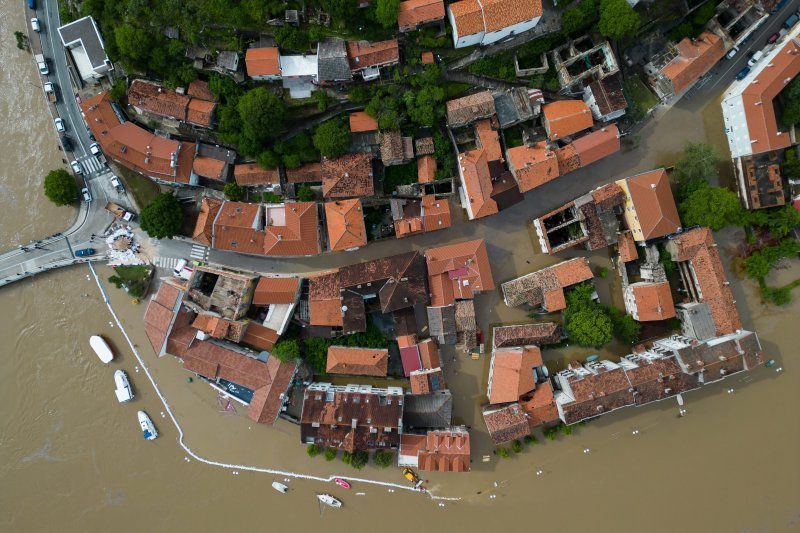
199 252
91 164
166 262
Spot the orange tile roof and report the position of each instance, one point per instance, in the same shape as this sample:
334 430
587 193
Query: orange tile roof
426 169
458 271
429 353
654 204
255 174
204 227
135 147
412 13
363 54
695 58
468 109
426 381
758 97
200 112
345 220
597 145
435 213
275 290
348 175
489 139
445 451
260 337
262 62
506 423
568 160
653 301
427 57
532 166
540 405
308 173
159 314
627 247
325 312
158 100
511 373
208 167
467 17
501 14
357 361
300 235
698 247
545 287
406 341
199 89
361 122
477 183
565 117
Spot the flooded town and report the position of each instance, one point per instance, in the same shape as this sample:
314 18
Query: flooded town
514 294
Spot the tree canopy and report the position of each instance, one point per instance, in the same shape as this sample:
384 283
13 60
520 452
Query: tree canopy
261 113
163 217
332 138
60 187
386 12
577 19
697 166
714 207
790 99
618 19
286 350
590 326
233 191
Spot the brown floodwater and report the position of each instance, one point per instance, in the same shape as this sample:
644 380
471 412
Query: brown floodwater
72 458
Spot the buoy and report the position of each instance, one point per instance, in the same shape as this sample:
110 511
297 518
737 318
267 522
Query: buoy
189 380
135 301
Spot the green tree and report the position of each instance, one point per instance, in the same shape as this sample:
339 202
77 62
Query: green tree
359 459
268 159
118 90
134 45
291 38
286 350
572 21
782 220
383 458
330 454
313 450
305 194
233 191
698 165
163 217
502 451
332 138
60 187
589 326
714 207
790 98
516 446
791 166
386 12
618 19
626 329
425 106
262 115
756 266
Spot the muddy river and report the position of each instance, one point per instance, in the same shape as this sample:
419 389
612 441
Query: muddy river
72 459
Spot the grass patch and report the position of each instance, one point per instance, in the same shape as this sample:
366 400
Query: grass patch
133 278
513 137
143 189
453 89
640 98
399 175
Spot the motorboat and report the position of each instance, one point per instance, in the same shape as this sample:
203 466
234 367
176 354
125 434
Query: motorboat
123 390
329 500
280 487
341 482
100 347
148 428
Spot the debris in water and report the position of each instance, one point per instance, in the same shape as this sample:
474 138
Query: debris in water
360 493
539 472
586 450
635 432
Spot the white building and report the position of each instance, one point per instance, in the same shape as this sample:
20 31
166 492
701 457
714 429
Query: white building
485 22
82 39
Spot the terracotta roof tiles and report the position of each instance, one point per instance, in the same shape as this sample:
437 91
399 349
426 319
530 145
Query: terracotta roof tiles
262 62
467 16
363 54
596 145
308 173
208 167
507 423
204 226
695 58
345 220
627 247
546 287
361 122
412 13
477 183
532 166
254 174
511 373
426 169
458 271
276 290
445 451
348 175
357 361
654 204
653 301
500 14
468 109
565 117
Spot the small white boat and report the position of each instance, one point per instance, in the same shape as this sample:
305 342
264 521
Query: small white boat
280 487
329 500
101 348
123 390
148 428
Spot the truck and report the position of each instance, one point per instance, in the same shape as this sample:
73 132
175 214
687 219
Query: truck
41 62
50 91
119 211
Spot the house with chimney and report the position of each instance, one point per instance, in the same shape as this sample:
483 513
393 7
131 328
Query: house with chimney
483 22
413 14
445 450
649 207
681 65
367 58
345 222
544 289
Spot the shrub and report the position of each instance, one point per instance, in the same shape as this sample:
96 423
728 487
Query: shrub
347 458
270 198
516 446
233 191
502 451
530 439
551 433
359 459
383 458
313 450
603 272
286 350
330 454
305 194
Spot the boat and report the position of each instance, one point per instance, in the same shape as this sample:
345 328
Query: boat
329 500
341 482
123 390
280 487
100 347
148 428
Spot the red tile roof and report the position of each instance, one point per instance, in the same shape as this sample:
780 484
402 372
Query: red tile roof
653 301
361 122
208 167
694 59
565 117
429 353
445 451
254 174
200 112
546 287
260 337
348 175
477 183
467 17
430 215
597 145
262 62
308 173
426 169
276 290
654 204
345 220
489 139
568 160
363 54
427 57
540 405
204 227
199 89
458 271
511 373
167 103
412 13
159 314
357 361
627 247
507 423
532 166
427 381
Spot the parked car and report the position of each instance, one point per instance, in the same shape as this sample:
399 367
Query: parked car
755 58
95 148
86 195
732 52
77 168
85 252
60 127
181 264
774 37
35 25
67 142
791 21
742 73
115 181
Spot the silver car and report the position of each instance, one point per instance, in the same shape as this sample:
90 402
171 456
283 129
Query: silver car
87 196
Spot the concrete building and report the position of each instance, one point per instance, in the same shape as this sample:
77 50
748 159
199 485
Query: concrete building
83 42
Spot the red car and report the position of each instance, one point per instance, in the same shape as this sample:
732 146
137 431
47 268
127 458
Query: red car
774 37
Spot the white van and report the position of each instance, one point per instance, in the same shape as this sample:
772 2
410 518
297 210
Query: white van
180 266
753 60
